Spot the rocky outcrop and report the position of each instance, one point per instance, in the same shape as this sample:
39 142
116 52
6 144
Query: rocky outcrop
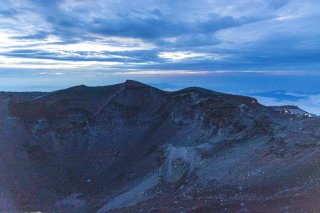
179 163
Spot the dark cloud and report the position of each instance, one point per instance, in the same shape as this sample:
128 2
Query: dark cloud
11 12
155 28
37 36
276 4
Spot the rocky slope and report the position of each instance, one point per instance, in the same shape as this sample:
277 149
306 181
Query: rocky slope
134 148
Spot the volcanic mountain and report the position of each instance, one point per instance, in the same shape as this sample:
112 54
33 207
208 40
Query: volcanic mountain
131 147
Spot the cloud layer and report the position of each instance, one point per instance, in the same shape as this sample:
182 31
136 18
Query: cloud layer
204 35
308 102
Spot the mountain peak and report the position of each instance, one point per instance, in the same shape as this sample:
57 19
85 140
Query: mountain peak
132 83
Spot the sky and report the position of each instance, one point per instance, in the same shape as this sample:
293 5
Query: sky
237 46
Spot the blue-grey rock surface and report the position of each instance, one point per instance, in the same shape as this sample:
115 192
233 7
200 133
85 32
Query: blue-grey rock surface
134 148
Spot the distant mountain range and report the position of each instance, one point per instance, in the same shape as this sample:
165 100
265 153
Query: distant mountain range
131 147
